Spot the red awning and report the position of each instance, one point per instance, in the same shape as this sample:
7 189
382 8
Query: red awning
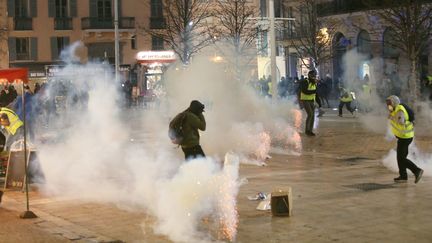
14 75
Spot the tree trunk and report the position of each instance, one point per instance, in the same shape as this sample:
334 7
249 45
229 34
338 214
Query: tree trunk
414 90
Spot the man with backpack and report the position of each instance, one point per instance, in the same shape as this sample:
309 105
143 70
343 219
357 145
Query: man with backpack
402 127
184 130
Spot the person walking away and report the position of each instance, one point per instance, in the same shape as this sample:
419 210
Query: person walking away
193 121
11 127
307 97
345 100
322 92
403 129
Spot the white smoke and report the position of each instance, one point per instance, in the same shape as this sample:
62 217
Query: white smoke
98 152
421 159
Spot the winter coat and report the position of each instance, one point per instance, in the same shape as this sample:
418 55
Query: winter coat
191 125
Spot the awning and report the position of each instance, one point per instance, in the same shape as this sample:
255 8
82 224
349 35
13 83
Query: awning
14 75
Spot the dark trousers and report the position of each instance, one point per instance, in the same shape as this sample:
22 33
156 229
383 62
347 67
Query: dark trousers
348 106
309 106
193 152
403 162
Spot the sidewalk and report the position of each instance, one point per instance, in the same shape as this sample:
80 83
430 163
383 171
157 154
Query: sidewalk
341 193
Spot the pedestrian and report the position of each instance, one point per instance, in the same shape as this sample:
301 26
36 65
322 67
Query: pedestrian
307 97
345 100
193 121
11 127
403 129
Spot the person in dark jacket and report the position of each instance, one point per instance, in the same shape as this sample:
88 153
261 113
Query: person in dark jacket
193 121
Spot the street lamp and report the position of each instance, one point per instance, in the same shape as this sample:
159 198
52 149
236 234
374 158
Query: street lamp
116 40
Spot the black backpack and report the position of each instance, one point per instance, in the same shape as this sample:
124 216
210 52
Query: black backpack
411 116
175 130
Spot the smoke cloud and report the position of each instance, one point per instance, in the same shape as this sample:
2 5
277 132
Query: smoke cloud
96 151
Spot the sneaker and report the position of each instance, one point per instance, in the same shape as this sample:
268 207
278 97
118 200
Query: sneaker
400 179
418 176
320 113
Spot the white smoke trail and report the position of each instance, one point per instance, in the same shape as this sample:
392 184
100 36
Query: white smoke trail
421 159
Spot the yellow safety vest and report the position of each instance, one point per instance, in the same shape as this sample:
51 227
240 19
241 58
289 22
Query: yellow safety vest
366 89
311 86
14 120
401 130
346 98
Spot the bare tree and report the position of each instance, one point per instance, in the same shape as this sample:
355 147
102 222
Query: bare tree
185 27
411 25
236 33
312 35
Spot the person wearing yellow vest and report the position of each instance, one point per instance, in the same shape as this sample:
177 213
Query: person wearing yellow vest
403 129
345 100
11 126
307 97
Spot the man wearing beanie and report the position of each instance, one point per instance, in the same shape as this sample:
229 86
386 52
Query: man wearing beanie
194 120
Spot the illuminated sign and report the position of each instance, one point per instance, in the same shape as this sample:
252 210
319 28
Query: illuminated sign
155 56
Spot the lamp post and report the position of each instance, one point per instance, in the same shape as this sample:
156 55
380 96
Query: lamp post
116 40
272 42
272 49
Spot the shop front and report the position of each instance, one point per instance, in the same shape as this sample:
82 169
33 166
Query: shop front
152 65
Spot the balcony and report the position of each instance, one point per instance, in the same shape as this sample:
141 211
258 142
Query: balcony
23 56
63 23
106 23
157 23
23 23
285 35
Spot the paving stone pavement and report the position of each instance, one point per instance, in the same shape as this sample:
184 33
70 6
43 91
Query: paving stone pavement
341 193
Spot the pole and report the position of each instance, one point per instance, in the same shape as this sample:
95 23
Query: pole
116 40
26 214
273 49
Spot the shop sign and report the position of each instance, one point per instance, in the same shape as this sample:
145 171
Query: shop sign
36 74
155 56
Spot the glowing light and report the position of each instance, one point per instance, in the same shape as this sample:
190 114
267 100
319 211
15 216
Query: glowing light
323 36
217 59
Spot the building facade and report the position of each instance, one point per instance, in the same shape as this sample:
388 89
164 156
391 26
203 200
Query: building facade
37 31
356 31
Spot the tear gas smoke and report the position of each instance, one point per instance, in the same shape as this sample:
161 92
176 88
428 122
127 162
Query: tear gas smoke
422 160
236 114
93 159
103 154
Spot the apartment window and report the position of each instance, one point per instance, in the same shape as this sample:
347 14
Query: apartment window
157 43
22 49
263 8
58 44
61 8
21 8
133 42
156 8
104 9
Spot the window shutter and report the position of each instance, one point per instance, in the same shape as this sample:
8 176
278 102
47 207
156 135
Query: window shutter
119 3
66 41
12 49
34 49
93 8
51 8
33 8
54 49
73 8
11 8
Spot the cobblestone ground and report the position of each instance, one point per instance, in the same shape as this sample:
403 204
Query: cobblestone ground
341 193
